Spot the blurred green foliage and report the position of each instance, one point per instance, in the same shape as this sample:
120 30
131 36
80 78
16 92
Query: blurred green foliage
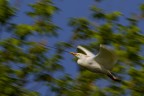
6 12
25 62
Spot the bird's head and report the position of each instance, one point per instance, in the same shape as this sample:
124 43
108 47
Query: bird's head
78 55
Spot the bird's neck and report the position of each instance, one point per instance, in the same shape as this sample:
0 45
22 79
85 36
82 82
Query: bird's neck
82 61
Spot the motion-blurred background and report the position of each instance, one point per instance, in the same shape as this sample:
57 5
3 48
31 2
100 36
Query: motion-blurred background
29 66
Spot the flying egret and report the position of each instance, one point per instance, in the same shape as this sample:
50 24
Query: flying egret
101 63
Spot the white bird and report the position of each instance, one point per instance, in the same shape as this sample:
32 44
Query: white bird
101 63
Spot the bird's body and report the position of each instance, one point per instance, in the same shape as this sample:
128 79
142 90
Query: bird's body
100 63
90 64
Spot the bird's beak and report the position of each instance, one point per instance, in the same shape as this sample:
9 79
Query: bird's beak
73 53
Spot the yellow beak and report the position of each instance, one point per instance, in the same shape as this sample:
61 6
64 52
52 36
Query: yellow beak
73 53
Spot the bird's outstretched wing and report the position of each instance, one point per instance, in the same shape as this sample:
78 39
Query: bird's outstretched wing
106 57
81 49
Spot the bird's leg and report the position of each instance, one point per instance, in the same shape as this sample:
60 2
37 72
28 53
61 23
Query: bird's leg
113 77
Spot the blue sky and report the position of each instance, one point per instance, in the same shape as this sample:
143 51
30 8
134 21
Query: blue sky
77 8
80 8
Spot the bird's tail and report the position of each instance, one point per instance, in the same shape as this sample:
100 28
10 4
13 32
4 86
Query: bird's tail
113 77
